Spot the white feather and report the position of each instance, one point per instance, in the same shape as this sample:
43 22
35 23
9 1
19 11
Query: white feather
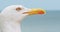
10 19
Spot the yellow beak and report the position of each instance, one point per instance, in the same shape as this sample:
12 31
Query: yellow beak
36 11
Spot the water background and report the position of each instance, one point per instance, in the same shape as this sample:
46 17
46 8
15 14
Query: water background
38 23
42 23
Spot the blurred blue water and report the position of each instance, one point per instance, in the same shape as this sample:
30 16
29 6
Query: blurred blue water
42 23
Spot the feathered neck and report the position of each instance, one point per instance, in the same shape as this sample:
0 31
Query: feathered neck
11 27
12 24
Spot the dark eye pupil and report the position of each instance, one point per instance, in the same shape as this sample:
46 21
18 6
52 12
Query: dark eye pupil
18 8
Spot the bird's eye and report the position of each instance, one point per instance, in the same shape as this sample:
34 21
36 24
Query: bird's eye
18 9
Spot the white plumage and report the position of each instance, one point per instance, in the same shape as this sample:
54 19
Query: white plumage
10 18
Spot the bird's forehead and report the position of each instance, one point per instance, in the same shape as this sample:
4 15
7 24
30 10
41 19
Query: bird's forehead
15 6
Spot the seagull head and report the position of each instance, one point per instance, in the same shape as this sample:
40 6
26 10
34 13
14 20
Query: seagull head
19 11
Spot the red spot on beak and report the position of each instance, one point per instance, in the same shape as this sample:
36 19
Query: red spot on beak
41 12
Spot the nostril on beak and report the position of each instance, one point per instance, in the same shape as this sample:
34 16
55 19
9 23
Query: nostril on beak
18 8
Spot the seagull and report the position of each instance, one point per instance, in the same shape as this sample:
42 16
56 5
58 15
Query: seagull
11 17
